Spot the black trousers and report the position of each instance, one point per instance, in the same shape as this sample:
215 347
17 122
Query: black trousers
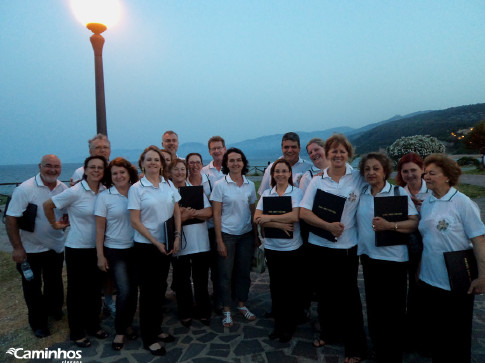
413 320
447 323
152 270
213 267
47 269
339 306
83 291
122 270
285 276
385 294
195 266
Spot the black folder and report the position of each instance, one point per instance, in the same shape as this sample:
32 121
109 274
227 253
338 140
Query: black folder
328 207
193 197
27 221
169 230
392 209
462 269
276 206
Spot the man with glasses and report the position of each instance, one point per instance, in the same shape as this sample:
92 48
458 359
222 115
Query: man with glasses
98 146
217 149
43 248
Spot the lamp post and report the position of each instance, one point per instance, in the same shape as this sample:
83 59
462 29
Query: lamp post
97 15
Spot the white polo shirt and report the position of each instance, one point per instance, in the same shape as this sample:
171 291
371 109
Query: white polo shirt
423 193
212 172
113 206
78 174
79 201
44 237
282 244
300 167
195 236
446 225
367 240
350 187
156 205
307 177
236 215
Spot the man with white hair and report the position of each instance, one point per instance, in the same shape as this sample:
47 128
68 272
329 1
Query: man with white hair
99 145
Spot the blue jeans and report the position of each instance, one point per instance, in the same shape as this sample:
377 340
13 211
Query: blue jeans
122 269
238 262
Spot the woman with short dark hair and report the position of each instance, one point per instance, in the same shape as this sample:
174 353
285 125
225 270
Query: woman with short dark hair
449 221
233 203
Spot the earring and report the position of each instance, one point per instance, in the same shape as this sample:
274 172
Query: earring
143 170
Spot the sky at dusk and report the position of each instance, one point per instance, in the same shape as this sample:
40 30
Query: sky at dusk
241 69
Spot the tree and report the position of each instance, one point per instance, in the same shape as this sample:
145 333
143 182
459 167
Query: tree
475 139
423 145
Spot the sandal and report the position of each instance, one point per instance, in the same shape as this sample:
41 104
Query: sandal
155 349
318 342
246 313
100 334
227 320
83 343
166 338
118 345
352 359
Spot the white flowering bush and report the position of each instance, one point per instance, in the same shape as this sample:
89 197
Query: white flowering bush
423 145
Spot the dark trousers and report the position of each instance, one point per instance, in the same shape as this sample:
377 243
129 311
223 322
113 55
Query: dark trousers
385 295
284 269
195 265
339 306
83 291
122 270
447 323
47 269
152 270
213 266
413 320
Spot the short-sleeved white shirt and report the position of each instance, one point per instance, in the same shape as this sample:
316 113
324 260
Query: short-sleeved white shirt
114 207
446 224
297 170
212 172
365 214
282 244
195 236
350 187
423 193
79 201
44 237
78 174
236 215
156 205
307 177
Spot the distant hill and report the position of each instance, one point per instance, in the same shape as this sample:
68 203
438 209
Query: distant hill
439 124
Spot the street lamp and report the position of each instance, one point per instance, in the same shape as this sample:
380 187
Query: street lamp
97 16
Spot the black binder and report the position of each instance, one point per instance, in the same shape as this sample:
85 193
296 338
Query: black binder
462 269
169 230
27 221
276 206
392 209
328 207
193 197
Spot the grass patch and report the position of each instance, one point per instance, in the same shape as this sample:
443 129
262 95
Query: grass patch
475 172
14 327
472 191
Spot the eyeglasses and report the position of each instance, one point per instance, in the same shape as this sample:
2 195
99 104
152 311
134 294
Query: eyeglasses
94 167
50 166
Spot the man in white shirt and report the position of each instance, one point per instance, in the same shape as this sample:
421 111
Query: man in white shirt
170 142
99 145
217 149
290 147
43 248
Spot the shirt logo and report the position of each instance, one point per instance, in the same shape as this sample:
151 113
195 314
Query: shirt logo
352 197
442 225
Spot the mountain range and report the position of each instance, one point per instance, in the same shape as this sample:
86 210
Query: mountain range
372 137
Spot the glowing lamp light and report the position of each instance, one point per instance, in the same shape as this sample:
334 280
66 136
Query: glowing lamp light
97 15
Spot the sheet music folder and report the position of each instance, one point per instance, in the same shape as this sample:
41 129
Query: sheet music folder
277 206
328 207
462 269
392 209
193 197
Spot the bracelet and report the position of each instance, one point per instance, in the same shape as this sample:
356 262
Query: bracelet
176 234
395 226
